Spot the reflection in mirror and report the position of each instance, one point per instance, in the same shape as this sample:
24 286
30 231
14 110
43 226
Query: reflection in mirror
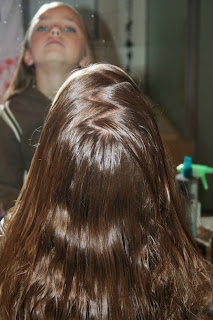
162 45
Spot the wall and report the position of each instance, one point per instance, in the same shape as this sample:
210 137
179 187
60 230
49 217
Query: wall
205 94
172 33
165 56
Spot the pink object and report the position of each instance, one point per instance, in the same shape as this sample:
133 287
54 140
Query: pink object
7 69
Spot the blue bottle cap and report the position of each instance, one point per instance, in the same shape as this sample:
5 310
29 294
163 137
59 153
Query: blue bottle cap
187 167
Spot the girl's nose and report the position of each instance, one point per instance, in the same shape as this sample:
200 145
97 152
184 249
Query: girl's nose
55 30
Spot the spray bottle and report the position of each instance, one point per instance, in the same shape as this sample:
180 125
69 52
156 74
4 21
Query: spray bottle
200 171
187 182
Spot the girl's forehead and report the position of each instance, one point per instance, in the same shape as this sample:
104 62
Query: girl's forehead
60 13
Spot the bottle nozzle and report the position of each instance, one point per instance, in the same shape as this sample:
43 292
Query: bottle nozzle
199 170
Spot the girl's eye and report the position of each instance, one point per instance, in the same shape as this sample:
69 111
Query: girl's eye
70 29
42 29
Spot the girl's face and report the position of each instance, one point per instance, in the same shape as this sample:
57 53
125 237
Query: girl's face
57 35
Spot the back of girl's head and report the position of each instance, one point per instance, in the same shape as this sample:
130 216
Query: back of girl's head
97 232
103 153
102 130
25 75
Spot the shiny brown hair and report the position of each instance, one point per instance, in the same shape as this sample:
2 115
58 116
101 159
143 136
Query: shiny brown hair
25 75
98 230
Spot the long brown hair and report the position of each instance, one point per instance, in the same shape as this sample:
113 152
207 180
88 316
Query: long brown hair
25 75
98 230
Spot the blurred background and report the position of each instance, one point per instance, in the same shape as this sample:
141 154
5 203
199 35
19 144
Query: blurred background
165 45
